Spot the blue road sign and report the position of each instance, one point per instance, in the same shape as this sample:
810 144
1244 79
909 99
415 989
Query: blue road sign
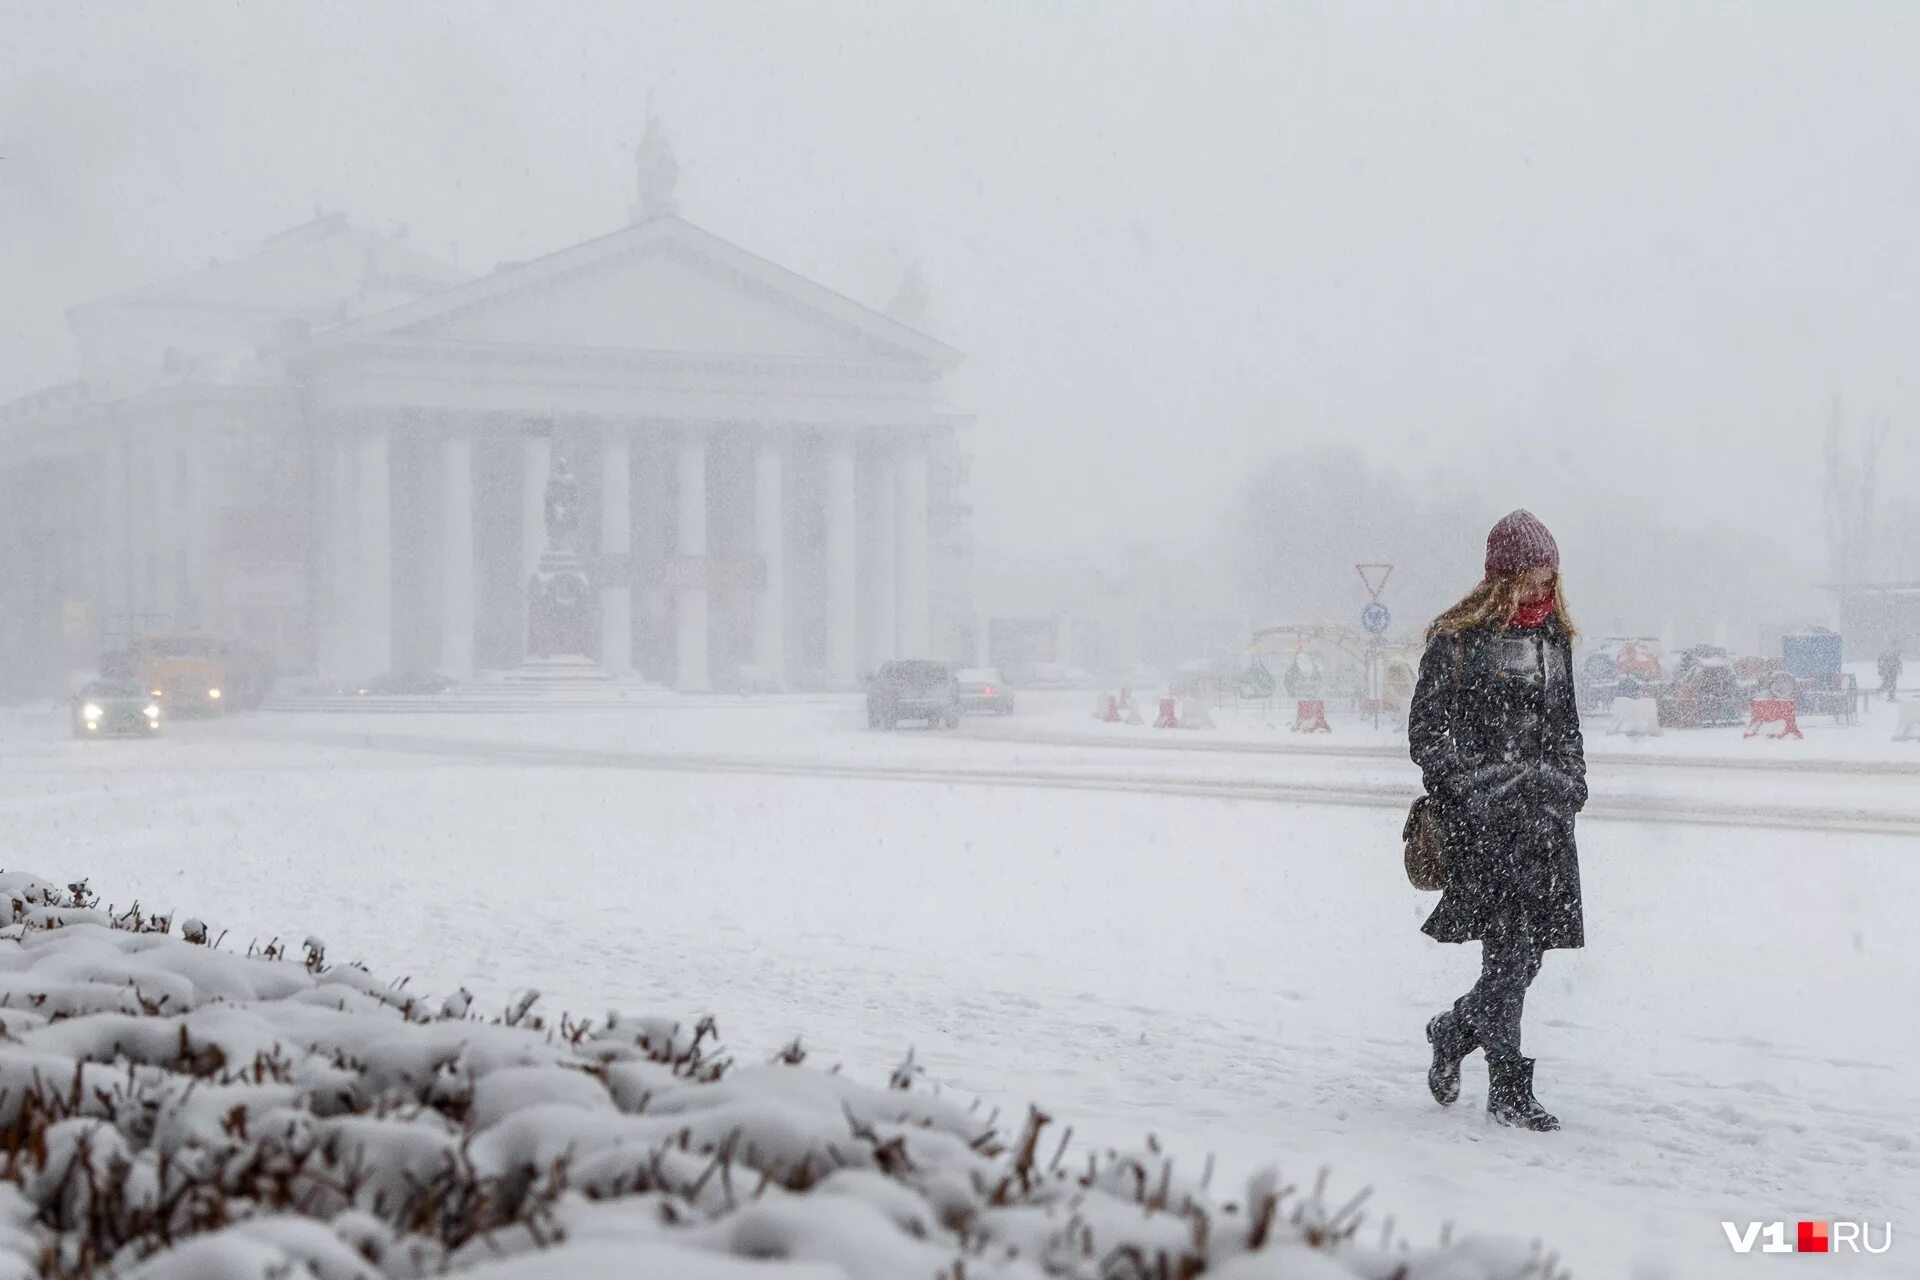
1375 618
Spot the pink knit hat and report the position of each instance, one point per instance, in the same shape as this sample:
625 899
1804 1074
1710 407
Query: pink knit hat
1519 543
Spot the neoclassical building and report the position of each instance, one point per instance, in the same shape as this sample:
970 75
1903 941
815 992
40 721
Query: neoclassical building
653 452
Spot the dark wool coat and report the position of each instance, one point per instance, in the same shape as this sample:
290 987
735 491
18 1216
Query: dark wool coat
1495 730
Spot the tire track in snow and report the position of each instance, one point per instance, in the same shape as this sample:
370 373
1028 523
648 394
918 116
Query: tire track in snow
1603 807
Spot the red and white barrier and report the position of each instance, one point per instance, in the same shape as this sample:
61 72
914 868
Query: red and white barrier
1311 716
1768 712
1168 718
1195 714
1636 717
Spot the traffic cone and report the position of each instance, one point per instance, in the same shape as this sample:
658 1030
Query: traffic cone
1311 717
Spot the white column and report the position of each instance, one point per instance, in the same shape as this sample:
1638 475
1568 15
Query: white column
690 602
536 466
914 601
343 554
187 609
166 533
159 521
216 495
115 586
769 541
376 553
150 551
653 544
456 555
205 499
843 582
616 543
884 539
537 456
138 539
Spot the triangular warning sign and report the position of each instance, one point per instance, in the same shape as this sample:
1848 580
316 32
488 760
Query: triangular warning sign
1368 572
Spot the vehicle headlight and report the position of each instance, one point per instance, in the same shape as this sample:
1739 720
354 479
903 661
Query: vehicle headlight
90 711
154 693
214 694
153 711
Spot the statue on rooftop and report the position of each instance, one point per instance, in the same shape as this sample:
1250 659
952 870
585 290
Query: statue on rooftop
656 170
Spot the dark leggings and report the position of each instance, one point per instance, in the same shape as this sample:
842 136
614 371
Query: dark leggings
1494 1005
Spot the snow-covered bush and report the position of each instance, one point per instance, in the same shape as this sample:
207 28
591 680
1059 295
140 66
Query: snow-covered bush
173 1111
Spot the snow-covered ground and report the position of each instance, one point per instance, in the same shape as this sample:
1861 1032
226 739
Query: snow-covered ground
1239 972
1040 749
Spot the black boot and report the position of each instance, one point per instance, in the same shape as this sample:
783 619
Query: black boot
1452 1039
1510 1099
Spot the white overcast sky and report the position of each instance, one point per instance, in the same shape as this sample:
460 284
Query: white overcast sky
1564 257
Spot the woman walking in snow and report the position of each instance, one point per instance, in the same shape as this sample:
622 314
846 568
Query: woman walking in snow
1496 733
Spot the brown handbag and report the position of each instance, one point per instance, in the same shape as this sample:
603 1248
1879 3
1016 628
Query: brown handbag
1426 855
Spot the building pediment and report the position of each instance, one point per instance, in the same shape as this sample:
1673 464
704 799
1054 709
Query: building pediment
661 286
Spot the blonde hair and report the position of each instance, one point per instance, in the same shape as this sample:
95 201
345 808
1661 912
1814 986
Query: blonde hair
1494 601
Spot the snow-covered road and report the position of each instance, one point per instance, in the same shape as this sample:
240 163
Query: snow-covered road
822 738
1241 976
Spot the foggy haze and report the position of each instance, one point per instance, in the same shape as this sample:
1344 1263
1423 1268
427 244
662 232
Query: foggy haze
918 639
1575 263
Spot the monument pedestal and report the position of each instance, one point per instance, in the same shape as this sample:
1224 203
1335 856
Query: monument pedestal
566 670
567 678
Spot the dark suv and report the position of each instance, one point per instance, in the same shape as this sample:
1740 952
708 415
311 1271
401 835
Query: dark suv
914 689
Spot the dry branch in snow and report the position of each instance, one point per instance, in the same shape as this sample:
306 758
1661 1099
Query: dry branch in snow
173 1111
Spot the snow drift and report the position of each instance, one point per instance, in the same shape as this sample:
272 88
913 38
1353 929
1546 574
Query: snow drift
175 1111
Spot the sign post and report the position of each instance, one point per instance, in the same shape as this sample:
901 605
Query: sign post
1368 572
1375 619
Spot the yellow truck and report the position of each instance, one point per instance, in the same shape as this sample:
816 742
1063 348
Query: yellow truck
186 670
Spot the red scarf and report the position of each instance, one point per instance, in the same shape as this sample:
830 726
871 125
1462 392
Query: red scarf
1533 613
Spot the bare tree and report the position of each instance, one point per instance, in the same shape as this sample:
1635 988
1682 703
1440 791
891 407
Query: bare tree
1850 497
